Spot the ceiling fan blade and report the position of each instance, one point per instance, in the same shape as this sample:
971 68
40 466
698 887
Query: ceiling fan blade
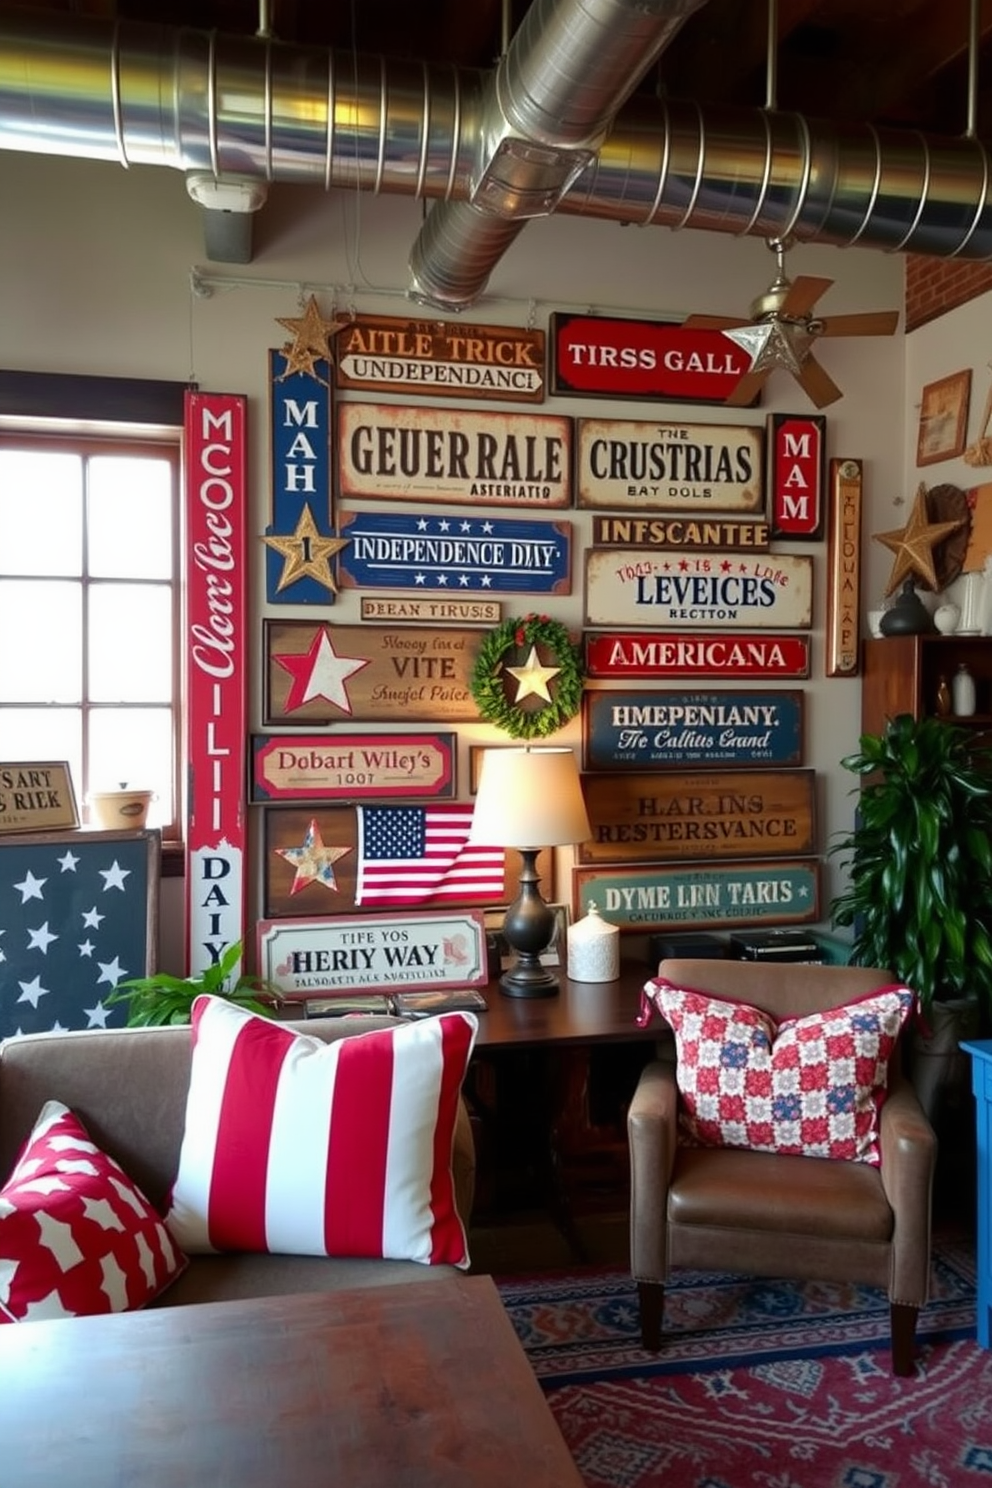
747 389
817 383
713 322
872 323
803 294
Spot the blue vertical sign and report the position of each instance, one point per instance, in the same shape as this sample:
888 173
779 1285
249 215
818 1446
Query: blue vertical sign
300 541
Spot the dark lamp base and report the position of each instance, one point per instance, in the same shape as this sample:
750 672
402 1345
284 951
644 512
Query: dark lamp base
524 980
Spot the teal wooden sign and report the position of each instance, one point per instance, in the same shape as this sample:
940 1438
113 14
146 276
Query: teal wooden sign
657 896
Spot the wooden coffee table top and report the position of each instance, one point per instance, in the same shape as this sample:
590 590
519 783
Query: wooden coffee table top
422 1385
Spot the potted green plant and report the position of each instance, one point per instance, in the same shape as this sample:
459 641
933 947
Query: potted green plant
919 890
164 998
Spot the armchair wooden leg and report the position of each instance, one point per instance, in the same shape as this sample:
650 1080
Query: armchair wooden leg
651 1296
903 1324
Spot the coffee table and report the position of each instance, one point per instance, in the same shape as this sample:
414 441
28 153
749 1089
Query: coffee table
422 1385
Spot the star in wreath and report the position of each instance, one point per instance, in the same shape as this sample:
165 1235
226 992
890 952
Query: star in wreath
307 553
310 343
913 544
538 654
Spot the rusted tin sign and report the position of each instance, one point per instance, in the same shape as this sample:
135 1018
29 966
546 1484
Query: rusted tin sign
336 673
797 450
779 893
732 655
679 532
391 453
702 730
618 358
627 586
380 353
325 767
307 958
394 550
669 467
638 818
433 611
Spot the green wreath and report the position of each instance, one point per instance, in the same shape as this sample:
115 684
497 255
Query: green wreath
488 681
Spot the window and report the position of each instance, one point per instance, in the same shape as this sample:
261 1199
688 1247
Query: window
90 612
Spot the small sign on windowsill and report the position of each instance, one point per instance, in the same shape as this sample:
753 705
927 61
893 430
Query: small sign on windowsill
37 797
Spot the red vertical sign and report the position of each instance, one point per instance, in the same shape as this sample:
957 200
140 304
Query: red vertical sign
216 691
796 471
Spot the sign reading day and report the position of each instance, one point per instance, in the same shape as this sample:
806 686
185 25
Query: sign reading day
688 468
632 587
381 353
711 897
704 730
460 555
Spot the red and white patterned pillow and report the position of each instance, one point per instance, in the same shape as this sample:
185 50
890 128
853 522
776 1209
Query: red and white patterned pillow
810 1085
76 1235
303 1147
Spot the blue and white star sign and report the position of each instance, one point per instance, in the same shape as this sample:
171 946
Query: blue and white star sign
455 555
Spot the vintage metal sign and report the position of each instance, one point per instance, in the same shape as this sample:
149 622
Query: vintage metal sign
315 767
701 730
780 893
391 550
679 532
844 569
337 673
309 958
435 611
669 467
300 543
627 586
736 656
391 453
380 353
36 796
638 818
796 468
618 358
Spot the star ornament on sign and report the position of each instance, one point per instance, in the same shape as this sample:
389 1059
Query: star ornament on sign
532 678
319 673
310 343
307 553
913 544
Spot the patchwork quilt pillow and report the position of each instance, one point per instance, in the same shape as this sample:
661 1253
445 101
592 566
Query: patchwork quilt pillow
303 1147
810 1085
76 1235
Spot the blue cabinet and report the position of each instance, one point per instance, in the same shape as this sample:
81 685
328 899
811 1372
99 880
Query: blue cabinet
981 1080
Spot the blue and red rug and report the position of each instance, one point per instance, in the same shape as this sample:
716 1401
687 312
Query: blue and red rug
760 1384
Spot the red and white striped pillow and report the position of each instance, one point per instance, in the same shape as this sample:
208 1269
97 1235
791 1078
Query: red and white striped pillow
302 1147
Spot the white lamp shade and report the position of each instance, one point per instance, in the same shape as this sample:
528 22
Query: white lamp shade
529 798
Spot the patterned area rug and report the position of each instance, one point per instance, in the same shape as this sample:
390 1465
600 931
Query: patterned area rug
760 1384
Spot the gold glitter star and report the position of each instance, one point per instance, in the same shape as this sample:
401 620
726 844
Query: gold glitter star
313 861
311 338
533 678
913 544
307 553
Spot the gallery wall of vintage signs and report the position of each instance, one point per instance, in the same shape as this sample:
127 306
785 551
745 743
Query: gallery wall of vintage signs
455 522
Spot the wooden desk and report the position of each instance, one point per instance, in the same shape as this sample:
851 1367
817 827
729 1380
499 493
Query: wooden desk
423 1385
582 1013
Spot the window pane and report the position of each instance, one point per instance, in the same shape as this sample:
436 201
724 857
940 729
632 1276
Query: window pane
130 517
130 643
41 513
40 659
45 734
132 747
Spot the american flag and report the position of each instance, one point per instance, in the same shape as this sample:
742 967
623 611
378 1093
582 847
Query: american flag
416 854
73 923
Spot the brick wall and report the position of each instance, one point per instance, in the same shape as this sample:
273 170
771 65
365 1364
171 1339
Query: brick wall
934 285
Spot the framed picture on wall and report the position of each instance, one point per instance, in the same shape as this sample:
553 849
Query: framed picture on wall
943 418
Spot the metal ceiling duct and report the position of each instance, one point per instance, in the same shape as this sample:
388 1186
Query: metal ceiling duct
153 95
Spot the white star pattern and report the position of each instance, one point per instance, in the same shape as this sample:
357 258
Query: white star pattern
41 939
101 1211
31 887
86 948
114 876
92 918
111 971
32 992
57 1237
68 862
96 1017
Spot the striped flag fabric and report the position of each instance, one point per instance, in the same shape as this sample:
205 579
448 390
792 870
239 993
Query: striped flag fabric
420 854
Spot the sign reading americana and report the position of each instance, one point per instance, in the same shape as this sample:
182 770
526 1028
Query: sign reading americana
711 896
385 354
461 555
387 452
669 466
625 655
704 730
618 358
631 587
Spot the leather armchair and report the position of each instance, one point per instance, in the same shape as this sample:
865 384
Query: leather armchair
774 1215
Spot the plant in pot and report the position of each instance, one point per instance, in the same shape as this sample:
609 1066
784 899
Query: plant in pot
919 890
163 998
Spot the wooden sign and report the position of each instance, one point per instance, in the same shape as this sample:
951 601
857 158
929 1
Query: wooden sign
679 532
36 796
844 570
315 767
797 450
337 673
433 611
380 353
299 541
310 958
674 467
639 818
626 586
718 895
469 554
619 358
698 730
390 453
727 656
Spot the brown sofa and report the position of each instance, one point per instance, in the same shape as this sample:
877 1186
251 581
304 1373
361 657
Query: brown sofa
128 1086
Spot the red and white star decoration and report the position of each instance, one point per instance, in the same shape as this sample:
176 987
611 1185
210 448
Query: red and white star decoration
319 672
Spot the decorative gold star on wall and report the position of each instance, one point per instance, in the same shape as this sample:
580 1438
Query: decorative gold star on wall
307 553
913 544
533 678
310 343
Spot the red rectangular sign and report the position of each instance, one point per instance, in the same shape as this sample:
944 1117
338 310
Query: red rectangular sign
730 654
598 354
796 469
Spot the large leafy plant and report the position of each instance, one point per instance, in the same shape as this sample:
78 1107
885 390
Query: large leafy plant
919 860
164 998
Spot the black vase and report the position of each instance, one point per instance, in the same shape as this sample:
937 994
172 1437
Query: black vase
908 616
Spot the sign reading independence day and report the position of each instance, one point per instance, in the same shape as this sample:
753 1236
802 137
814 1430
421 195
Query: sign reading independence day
704 730
299 542
643 359
632 587
385 354
455 555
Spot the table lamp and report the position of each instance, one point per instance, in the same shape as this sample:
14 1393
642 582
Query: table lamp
529 798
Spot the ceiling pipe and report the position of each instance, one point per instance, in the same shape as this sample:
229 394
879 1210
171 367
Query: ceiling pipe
154 95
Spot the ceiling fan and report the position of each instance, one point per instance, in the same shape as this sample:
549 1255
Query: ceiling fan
782 330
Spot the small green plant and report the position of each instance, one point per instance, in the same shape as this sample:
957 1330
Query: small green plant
163 998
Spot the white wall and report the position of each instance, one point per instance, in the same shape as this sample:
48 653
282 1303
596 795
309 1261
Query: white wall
95 269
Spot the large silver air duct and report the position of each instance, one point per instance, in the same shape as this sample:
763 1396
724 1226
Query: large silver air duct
249 108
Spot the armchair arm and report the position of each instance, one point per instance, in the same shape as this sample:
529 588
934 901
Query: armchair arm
908 1147
652 1137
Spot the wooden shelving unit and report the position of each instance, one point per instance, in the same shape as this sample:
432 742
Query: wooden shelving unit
901 674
